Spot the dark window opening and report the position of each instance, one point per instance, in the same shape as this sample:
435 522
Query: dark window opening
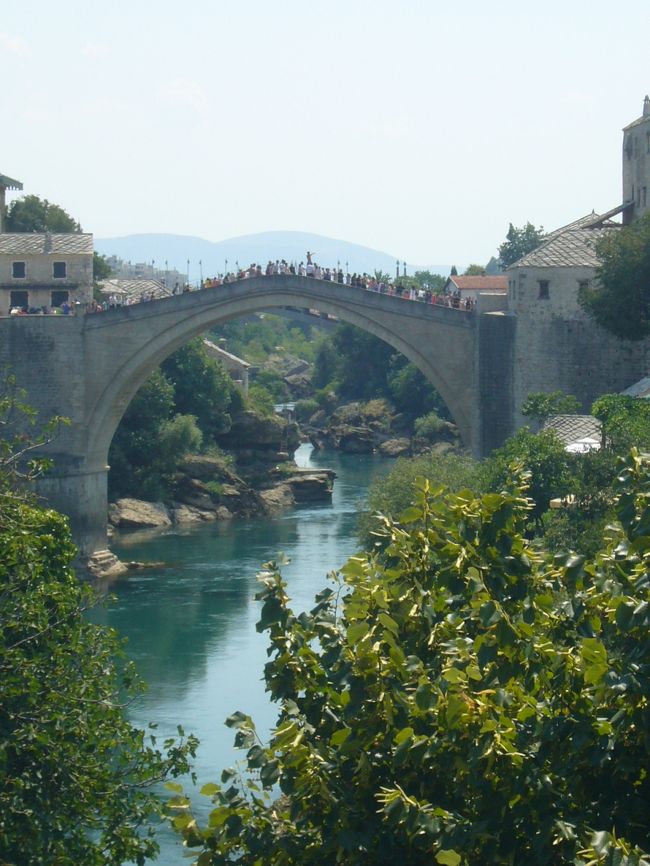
543 290
18 270
19 298
59 296
583 284
59 270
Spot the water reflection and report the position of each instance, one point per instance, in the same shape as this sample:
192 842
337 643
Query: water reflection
191 624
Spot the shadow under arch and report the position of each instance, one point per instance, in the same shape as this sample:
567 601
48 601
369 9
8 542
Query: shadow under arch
166 324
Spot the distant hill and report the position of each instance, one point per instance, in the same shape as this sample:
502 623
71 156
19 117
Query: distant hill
258 248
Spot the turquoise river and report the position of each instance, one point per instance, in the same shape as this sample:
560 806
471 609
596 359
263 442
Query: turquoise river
190 626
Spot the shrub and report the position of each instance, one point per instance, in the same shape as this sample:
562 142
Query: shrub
304 409
462 699
429 426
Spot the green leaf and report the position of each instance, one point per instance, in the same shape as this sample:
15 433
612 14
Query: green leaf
410 515
209 789
489 614
388 622
356 632
340 736
403 735
448 857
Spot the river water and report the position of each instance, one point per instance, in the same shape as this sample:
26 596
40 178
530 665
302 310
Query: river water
190 626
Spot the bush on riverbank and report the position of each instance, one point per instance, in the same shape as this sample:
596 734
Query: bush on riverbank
75 785
461 698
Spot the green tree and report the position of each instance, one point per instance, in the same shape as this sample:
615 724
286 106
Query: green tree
625 420
33 214
411 391
518 242
544 457
150 442
325 365
76 777
459 699
427 280
619 300
101 268
474 271
392 494
202 388
540 405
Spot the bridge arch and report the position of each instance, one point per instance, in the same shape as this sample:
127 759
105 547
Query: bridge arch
88 368
157 328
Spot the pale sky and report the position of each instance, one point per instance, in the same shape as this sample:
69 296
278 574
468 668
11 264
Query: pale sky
417 127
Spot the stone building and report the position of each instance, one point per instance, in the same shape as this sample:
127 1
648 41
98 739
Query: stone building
5 184
636 165
569 348
42 271
45 270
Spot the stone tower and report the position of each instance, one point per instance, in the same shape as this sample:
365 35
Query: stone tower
5 184
636 166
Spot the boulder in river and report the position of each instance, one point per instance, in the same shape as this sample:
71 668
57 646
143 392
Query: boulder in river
311 486
356 440
277 498
130 513
400 447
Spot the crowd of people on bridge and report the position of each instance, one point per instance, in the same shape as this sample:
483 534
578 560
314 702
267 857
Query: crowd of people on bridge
308 268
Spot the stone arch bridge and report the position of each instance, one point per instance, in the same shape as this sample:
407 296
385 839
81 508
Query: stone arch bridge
88 368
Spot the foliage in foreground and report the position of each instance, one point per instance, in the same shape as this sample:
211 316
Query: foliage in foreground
74 773
462 699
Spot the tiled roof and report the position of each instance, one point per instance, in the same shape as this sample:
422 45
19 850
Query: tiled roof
571 246
134 287
639 389
497 283
574 428
28 242
9 182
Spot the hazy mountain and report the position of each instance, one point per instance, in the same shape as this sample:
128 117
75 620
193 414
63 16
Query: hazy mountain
175 250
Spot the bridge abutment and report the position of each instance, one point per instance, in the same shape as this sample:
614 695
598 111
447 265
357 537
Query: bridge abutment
82 495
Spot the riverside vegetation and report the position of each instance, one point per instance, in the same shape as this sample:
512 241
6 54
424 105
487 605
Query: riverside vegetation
460 696
76 777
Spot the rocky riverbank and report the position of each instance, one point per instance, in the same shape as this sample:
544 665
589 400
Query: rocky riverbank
253 473
363 428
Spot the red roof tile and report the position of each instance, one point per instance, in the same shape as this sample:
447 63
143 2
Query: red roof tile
497 283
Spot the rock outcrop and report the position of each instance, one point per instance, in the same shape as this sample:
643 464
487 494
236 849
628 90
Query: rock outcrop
130 513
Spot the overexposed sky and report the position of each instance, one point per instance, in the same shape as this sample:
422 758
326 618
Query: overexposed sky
421 128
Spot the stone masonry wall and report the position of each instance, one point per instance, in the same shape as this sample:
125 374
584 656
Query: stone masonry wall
574 356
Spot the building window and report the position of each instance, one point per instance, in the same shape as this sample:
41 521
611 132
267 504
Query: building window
58 297
18 270
543 290
583 285
19 298
59 270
